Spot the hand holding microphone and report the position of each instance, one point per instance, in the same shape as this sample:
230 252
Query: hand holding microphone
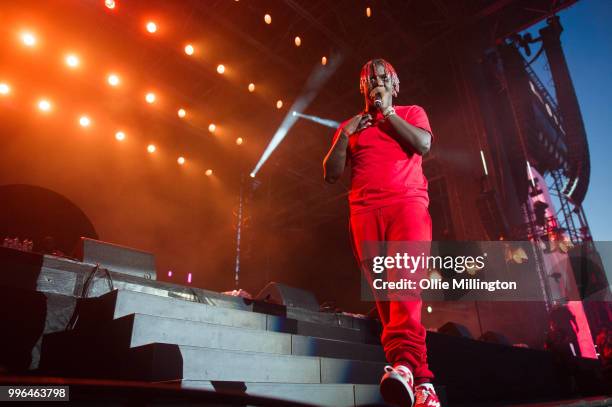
378 95
378 100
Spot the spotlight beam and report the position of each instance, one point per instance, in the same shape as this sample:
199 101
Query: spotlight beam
324 122
319 76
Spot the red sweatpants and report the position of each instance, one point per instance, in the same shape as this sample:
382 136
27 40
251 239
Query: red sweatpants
403 335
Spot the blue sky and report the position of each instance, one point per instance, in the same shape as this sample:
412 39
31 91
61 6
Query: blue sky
587 42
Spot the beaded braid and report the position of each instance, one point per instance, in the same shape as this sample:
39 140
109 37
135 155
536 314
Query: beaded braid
369 69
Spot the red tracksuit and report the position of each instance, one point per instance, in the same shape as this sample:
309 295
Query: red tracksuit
388 202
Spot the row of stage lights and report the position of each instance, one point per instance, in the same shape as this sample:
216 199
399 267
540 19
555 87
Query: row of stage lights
113 79
44 105
84 121
151 28
73 61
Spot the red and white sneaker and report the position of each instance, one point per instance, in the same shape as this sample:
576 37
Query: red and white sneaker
397 386
426 396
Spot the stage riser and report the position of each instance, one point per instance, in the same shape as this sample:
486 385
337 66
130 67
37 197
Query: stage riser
457 362
473 370
162 362
332 395
309 346
139 329
63 276
121 303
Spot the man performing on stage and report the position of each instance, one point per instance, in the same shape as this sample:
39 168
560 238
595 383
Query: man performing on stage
389 202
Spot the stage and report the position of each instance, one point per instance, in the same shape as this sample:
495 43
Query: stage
132 330
334 203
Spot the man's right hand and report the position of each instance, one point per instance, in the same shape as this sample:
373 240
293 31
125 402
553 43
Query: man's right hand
357 123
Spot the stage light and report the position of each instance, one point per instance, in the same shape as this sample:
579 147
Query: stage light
208 172
169 273
120 136
268 19
109 4
151 27
5 89
471 270
251 87
298 41
332 124
311 88
429 309
181 113
150 97
252 175
84 121
181 160
28 39
531 177
151 148
484 163
324 61
44 105
368 12
220 68
515 255
239 141
72 61
189 50
113 79
212 127
189 278
435 275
